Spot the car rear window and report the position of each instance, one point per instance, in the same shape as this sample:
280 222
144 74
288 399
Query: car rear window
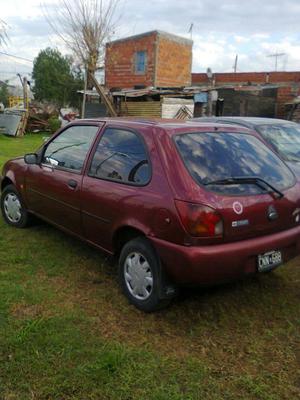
212 156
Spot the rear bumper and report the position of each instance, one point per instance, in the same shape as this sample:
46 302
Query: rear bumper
208 265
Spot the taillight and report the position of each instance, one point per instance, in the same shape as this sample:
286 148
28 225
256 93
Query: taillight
200 220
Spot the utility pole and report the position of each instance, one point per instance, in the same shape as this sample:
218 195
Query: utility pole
25 93
276 55
235 64
24 84
191 30
209 92
84 92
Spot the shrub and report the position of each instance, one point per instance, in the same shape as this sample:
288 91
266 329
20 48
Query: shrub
54 124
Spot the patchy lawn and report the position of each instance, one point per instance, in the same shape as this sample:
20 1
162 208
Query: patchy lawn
66 331
14 147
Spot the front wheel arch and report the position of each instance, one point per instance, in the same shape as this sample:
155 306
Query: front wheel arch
25 218
6 181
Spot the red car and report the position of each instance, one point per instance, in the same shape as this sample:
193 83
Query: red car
177 203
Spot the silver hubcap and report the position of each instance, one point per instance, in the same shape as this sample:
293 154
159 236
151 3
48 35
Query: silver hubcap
12 208
138 276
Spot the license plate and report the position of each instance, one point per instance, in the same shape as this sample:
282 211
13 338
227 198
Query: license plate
269 260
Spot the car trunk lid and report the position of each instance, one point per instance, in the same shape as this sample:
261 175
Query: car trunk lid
246 217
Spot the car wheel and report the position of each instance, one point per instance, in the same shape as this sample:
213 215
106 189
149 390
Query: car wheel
13 209
140 275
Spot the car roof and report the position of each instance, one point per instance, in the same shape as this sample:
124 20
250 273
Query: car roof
171 126
248 121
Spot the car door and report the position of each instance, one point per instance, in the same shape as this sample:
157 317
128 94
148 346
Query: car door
53 187
117 179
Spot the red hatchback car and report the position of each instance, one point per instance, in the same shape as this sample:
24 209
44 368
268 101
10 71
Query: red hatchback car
178 203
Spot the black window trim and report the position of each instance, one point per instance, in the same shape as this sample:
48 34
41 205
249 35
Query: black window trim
136 133
71 170
229 194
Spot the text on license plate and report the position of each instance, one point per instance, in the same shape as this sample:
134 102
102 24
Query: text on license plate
269 260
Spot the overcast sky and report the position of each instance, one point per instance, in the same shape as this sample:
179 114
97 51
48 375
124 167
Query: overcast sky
253 29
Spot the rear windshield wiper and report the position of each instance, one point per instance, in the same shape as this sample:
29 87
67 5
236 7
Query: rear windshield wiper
261 183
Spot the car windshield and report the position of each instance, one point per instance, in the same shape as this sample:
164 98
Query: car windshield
284 138
213 156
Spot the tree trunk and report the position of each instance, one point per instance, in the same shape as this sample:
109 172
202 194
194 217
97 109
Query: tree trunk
92 67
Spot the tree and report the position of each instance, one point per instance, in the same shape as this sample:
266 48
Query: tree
4 94
55 79
85 26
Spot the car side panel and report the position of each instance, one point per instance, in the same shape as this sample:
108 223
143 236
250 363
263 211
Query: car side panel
15 171
49 195
108 206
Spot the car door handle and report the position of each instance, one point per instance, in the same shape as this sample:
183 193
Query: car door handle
72 183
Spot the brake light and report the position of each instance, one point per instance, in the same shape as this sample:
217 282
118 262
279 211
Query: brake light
200 220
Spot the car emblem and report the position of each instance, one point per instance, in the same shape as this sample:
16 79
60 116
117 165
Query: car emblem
237 207
272 213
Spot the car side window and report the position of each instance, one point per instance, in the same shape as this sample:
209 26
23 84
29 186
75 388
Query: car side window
69 149
121 156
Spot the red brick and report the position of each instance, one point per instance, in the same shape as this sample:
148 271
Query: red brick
245 77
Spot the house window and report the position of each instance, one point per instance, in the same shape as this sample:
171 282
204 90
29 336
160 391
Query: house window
140 62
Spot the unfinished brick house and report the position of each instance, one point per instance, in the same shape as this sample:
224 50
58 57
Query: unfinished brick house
155 59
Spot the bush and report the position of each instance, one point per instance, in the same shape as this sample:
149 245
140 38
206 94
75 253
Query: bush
54 124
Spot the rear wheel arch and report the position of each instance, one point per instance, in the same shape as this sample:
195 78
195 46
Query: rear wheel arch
127 237
124 235
141 276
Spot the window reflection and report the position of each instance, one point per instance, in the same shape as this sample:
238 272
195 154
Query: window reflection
69 149
285 139
121 156
214 156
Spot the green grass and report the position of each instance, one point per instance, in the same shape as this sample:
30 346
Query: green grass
14 147
66 331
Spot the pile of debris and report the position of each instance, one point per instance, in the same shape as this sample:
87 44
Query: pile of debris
39 115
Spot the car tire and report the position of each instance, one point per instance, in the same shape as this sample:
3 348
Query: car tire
13 208
140 275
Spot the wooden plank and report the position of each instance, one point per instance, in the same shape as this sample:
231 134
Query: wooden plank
106 100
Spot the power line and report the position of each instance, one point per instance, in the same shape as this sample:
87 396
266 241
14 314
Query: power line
11 55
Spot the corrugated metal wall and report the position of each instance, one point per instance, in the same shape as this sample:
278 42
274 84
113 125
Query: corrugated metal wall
171 106
141 109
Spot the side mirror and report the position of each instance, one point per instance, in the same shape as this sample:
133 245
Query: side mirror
31 158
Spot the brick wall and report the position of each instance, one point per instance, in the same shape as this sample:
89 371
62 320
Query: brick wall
174 62
169 61
120 62
284 95
245 77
